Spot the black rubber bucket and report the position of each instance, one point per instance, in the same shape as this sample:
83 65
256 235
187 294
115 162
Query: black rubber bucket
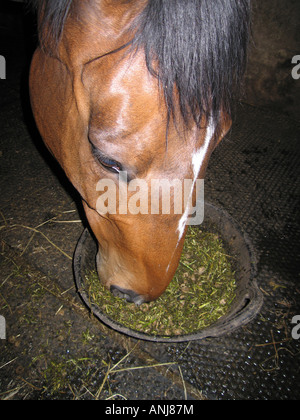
245 306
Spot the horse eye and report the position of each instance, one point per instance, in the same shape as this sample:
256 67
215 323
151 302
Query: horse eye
111 165
107 163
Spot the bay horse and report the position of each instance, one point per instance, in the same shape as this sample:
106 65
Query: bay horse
142 86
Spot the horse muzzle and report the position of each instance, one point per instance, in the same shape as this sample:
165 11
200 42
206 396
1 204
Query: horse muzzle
129 295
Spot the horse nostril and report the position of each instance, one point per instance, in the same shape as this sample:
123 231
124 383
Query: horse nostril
116 291
129 295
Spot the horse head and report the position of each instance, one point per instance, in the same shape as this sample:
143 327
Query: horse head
125 94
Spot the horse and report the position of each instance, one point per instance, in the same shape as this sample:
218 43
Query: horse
142 87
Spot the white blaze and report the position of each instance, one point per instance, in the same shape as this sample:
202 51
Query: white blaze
197 161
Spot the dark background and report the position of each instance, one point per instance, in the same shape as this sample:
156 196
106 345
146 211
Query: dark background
275 40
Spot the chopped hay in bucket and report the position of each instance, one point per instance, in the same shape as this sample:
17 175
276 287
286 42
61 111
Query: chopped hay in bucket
200 293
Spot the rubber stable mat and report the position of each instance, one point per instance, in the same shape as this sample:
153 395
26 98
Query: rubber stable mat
255 175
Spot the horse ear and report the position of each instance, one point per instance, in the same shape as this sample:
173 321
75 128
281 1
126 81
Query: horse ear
226 123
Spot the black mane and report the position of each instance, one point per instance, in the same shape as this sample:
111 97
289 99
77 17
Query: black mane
52 15
198 47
